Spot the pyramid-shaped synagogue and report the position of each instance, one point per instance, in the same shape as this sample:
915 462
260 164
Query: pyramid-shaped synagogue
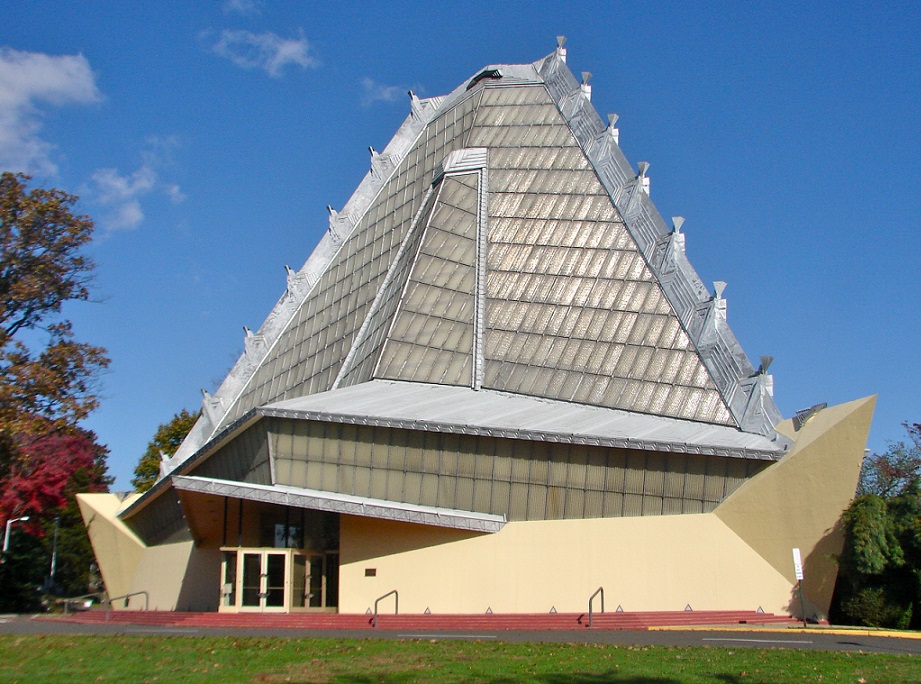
498 352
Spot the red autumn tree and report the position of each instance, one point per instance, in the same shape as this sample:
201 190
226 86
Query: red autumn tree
41 474
47 385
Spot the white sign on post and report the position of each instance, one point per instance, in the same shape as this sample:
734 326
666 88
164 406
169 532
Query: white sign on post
797 565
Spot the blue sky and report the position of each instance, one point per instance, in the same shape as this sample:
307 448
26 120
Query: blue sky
206 140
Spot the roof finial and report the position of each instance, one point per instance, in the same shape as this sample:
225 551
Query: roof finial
677 222
415 104
766 362
612 130
644 181
586 88
718 287
560 50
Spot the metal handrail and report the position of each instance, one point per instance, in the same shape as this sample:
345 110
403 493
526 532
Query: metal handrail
66 601
599 590
396 605
126 597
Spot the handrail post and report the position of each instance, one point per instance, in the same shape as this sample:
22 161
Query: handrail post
599 590
396 605
128 596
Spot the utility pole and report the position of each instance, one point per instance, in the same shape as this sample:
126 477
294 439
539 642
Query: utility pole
54 554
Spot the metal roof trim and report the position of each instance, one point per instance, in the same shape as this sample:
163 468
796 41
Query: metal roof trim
402 396
245 421
343 503
724 357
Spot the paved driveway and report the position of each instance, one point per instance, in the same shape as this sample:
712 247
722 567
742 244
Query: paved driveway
815 638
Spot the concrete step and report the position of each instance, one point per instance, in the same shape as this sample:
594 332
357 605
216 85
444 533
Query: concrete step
415 622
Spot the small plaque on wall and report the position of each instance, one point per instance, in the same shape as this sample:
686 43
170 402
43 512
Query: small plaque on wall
370 572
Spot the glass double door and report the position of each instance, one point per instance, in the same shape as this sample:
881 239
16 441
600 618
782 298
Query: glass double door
263 580
278 580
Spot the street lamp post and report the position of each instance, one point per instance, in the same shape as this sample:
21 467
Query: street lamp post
9 524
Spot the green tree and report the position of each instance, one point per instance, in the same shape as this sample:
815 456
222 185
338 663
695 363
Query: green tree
46 382
165 441
880 564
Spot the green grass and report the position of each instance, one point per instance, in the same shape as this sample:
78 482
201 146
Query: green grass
57 658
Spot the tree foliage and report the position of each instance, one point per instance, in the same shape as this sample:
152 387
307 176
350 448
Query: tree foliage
46 381
45 473
166 441
46 386
896 471
880 565
43 478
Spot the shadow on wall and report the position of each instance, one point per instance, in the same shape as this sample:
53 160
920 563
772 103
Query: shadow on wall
366 538
201 582
820 571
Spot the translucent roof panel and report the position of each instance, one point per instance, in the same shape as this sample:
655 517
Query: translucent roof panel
432 335
307 356
574 312
365 356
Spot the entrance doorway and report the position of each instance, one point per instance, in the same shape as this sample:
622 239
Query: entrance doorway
278 580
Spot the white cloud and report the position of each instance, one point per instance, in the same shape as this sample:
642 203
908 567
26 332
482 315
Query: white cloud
266 51
120 195
372 92
244 7
175 194
161 150
27 81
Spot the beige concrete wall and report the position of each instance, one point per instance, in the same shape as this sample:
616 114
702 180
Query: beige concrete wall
176 576
651 563
118 550
798 502
738 557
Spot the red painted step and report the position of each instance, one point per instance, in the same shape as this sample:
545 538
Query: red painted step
415 622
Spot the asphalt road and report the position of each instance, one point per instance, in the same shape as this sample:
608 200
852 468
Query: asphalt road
815 638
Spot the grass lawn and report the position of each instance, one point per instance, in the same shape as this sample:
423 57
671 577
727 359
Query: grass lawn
57 658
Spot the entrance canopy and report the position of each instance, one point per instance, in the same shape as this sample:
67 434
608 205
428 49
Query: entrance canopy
342 503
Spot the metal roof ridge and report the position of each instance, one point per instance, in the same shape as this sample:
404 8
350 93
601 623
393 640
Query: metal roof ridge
726 362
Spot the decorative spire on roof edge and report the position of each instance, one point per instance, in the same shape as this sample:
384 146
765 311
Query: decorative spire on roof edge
585 87
340 225
381 164
212 406
164 465
254 346
760 405
612 130
666 258
643 178
296 283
